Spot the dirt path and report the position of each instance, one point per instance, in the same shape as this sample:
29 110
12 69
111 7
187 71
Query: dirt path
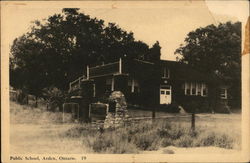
196 150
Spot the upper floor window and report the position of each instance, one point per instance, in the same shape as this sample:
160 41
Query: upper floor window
195 88
165 72
223 93
133 85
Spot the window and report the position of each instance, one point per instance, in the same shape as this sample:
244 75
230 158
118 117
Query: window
194 88
110 84
204 90
165 72
133 86
187 88
198 89
223 93
167 92
162 92
136 86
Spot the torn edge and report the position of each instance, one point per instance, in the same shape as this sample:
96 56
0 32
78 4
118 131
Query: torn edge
247 36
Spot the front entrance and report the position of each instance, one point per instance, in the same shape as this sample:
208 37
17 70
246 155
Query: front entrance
165 94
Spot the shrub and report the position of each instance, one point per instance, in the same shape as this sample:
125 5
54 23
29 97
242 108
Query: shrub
110 142
77 131
166 142
215 139
102 143
176 132
122 147
162 132
146 141
56 98
206 139
224 141
184 141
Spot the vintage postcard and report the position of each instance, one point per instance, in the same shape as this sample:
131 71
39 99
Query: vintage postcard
125 81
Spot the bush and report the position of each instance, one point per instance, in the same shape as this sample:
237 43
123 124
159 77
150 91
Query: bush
102 143
122 148
176 132
166 142
184 141
110 141
56 98
146 141
215 139
224 141
86 130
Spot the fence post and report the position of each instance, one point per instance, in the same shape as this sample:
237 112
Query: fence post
153 114
63 113
193 121
120 65
88 72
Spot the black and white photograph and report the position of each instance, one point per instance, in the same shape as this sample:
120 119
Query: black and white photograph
125 81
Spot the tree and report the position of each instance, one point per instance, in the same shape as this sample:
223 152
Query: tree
155 52
216 50
55 98
57 50
26 68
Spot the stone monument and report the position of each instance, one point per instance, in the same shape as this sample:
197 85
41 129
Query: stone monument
118 113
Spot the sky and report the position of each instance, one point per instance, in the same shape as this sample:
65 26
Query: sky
165 21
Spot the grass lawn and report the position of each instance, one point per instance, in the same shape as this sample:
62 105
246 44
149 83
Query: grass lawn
38 131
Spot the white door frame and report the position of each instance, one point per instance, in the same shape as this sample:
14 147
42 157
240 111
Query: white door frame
165 94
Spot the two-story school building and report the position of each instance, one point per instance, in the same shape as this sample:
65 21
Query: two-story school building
153 84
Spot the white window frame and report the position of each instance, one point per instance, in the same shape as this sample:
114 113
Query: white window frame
166 73
198 88
133 84
223 93
195 85
204 86
112 83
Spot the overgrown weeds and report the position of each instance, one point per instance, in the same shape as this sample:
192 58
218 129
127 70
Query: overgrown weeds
139 136
150 136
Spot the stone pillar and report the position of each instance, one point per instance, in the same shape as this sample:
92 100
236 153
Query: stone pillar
120 117
87 92
121 83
